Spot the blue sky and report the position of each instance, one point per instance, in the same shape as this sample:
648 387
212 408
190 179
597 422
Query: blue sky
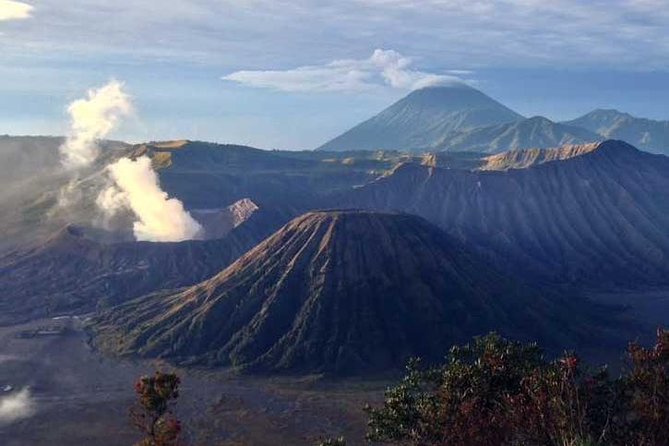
292 74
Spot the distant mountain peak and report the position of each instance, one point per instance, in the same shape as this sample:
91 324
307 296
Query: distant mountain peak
537 132
539 119
646 134
608 111
424 117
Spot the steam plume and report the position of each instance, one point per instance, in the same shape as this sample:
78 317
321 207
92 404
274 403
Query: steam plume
136 187
16 406
93 118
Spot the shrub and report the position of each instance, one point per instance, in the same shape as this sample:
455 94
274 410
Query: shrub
152 413
645 393
463 403
495 392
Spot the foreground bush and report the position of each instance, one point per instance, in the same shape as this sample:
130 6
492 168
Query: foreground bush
152 413
495 392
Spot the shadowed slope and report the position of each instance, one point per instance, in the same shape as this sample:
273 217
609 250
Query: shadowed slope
598 219
339 292
72 273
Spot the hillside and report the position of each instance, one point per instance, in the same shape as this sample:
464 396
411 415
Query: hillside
31 181
341 292
597 219
73 273
537 132
646 134
423 118
211 176
204 176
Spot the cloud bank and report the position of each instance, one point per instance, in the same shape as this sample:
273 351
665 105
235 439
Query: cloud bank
383 68
11 10
16 406
627 34
92 119
137 188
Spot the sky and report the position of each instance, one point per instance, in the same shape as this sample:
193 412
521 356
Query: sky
293 74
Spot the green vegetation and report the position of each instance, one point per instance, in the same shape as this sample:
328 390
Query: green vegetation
490 392
494 392
152 414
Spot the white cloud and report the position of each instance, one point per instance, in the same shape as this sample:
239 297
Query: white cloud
12 10
461 33
16 406
383 67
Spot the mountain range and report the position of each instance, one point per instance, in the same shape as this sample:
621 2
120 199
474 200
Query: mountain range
74 272
423 118
595 217
342 292
450 242
645 134
536 132
206 177
461 118
579 216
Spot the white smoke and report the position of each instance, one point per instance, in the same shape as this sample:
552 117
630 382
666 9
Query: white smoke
92 119
16 406
137 187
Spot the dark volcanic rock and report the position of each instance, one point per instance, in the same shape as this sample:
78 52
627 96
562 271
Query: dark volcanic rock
598 219
72 273
340 292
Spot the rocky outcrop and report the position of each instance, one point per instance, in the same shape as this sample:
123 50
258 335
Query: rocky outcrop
521 159
217 223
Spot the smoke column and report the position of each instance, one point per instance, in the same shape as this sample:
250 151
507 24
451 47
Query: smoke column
16 406
93 118
136 187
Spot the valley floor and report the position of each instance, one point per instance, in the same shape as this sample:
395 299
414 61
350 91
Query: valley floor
79 397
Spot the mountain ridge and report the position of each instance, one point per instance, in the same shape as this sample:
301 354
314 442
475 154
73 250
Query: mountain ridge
340 292
71 272
594 220
423 117
647 134
536 132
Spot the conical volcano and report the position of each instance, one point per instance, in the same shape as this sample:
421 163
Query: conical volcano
424 118
338 292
